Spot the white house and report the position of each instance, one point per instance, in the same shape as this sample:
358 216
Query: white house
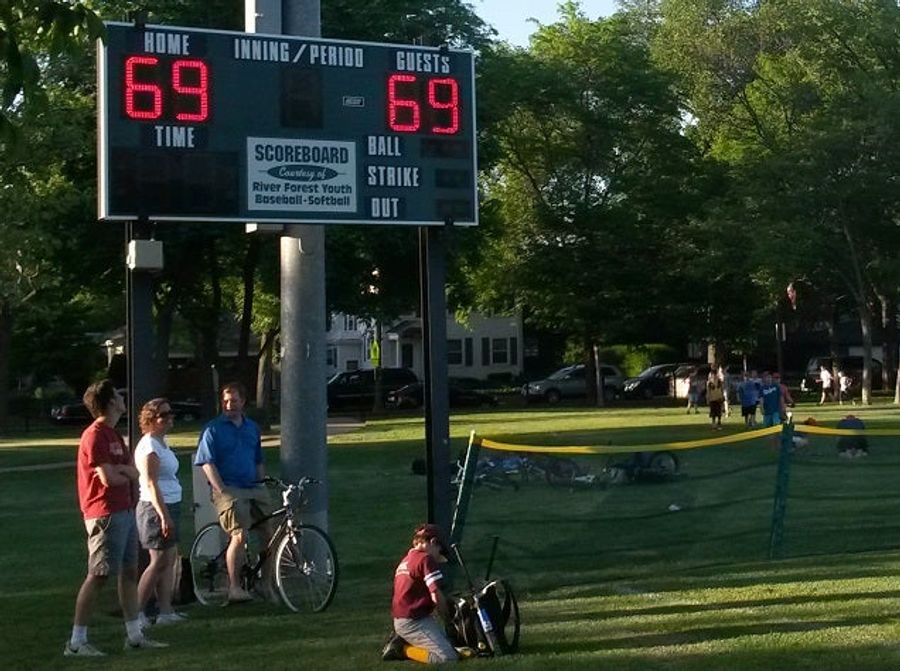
483 346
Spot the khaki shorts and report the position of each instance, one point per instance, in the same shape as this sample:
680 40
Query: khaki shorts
239 509
112 542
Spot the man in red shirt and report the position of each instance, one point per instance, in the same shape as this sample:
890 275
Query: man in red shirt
417 581
106 477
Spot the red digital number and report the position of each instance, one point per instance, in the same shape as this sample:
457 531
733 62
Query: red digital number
134 88
397 105
201 90
405 110
452 104
144 99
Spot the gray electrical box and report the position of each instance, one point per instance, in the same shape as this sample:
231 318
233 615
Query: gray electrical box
145 255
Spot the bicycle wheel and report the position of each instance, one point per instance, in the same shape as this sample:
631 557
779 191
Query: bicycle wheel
306 569
561 471
208 571
664 464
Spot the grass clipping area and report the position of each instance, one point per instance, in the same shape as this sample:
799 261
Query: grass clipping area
607 577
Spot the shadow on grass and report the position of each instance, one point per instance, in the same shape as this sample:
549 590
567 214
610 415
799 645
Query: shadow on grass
708 634
709 606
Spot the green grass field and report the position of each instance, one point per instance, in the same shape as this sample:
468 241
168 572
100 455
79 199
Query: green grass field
606 577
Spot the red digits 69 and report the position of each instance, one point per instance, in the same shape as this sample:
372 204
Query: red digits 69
405 110
144 96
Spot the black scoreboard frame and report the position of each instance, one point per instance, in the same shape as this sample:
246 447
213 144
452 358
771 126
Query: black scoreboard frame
333 131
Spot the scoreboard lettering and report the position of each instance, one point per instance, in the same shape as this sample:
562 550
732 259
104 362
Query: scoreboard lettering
201 125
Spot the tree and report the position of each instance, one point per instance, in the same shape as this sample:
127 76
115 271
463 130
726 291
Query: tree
594 184
355 255
53 269
428 22
800 98
29 30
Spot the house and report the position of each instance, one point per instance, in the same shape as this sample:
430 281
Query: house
482 347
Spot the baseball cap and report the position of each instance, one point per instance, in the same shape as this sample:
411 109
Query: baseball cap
432 531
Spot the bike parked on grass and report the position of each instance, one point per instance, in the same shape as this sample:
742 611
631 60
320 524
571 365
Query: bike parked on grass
643 467
305 569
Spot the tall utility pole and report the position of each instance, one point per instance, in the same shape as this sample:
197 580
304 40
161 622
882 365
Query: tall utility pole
303 372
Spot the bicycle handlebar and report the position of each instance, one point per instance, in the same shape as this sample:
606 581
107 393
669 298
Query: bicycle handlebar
281 484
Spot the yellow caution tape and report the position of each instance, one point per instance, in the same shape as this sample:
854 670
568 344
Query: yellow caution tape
825 431
620 449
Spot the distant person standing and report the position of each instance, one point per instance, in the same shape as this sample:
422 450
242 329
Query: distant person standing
771 401
715 398
230 454
844 384
693 394
728 394
826 379
748 393
106 476
787 401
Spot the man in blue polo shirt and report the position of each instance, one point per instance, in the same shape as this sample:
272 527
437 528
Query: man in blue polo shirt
230 454
771 401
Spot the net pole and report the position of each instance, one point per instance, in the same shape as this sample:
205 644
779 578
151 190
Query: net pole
779 508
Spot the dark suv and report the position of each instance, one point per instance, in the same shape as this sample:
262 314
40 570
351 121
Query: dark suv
356 388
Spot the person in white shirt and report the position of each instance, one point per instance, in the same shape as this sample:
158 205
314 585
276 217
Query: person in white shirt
844 383
826 378
158 510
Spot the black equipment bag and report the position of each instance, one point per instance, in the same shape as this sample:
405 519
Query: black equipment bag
500 607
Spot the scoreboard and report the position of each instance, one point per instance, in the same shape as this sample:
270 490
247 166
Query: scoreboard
205 125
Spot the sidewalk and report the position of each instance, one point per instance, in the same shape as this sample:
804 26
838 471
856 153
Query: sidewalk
336 425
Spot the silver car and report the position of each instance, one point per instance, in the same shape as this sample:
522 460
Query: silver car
571 382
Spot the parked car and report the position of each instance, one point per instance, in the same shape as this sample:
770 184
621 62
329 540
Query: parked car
571 382
654 381
356 388
186 411
75 412
851 365
413 396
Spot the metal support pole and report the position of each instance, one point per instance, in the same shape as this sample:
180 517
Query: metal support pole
432 276
303 370
139 346
779 510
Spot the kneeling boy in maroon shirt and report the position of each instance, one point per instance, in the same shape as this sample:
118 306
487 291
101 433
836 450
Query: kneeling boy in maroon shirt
417 580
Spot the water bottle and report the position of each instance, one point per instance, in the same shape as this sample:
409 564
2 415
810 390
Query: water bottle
485 620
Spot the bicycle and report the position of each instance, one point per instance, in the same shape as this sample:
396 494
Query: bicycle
493 473
643 467
306 567
557 471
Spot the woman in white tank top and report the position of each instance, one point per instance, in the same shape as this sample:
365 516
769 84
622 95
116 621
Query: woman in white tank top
158 510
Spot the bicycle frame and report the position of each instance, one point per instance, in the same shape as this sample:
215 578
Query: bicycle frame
285 525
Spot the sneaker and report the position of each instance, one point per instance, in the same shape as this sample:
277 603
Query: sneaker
143 643
83 650
144 621
170 618
393 649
